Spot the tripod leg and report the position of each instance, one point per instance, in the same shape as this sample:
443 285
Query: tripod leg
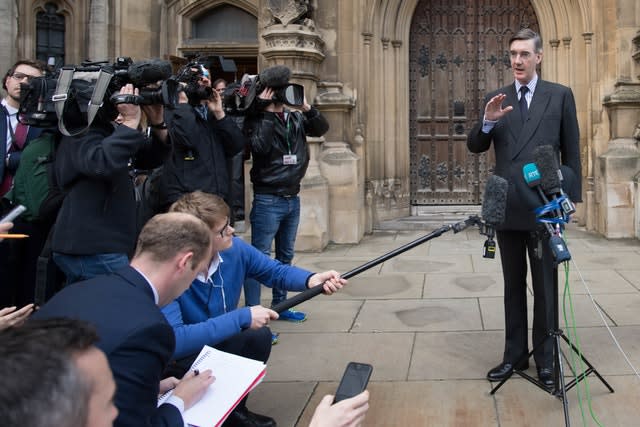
591 367
560 389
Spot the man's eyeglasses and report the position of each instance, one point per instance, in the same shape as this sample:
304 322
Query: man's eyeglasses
22 76
223 232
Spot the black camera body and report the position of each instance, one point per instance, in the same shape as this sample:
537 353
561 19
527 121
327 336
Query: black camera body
189 76
37 107
38 97
242 98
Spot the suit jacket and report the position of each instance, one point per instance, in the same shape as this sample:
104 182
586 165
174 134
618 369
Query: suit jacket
14 160
133 333
551 121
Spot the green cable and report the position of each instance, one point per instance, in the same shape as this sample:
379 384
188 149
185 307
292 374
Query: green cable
567 295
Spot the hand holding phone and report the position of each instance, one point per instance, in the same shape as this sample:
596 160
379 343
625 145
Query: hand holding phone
354 380
15 212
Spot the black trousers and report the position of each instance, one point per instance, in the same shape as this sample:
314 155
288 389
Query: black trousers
251 343
515 247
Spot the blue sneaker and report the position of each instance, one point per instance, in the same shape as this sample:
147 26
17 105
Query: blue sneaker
274 338
293 316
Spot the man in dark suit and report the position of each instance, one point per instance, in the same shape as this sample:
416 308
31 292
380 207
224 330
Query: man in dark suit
536 113
172 248
14 136
11 137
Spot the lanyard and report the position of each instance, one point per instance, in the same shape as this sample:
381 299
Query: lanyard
287 134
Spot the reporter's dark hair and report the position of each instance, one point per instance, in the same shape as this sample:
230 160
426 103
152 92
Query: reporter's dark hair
35 64
41 384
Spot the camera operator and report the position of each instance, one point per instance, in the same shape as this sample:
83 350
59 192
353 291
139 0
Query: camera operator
278 139
202 139
96 228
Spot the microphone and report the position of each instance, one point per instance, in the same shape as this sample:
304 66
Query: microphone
551 180
494 207
533 179
145 72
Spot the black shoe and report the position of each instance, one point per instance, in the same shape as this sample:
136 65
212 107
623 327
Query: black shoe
545 375
244 418
504 370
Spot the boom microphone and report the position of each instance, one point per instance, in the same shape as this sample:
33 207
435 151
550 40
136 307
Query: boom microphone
145 72
494 207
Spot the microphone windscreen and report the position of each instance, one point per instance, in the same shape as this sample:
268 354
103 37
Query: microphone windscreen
547 161
494 204
145 72
275 77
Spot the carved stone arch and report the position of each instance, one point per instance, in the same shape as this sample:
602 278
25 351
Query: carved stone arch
195 8
187 11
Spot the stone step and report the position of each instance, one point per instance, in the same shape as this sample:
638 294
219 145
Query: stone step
429 218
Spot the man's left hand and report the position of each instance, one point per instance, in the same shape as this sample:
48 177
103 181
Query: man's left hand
330 280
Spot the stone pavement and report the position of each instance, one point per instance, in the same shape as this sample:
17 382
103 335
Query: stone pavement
430 321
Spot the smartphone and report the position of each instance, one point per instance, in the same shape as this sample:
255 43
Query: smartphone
354 380
15 212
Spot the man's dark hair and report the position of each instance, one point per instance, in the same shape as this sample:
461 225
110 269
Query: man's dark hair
218 81
528 34
41 385
35 64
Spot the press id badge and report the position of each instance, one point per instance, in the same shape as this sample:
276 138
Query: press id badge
290 159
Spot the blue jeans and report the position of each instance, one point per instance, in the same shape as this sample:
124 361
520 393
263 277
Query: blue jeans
272 217
83 267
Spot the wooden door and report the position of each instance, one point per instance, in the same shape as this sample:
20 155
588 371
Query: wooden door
458 53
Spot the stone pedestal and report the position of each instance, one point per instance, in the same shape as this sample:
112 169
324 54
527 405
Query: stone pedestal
313 231
340 166
618 167
620 164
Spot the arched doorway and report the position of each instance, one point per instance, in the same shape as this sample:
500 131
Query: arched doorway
457 53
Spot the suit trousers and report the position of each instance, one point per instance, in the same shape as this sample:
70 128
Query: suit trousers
515 247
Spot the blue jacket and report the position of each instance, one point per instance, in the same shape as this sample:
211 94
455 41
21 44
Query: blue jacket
208 314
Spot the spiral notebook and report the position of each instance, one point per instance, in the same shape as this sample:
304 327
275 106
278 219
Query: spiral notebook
235 376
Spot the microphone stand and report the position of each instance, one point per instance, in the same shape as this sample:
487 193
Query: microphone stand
317 290
559 388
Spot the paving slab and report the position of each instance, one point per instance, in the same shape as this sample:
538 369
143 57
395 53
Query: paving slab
419 315
323 356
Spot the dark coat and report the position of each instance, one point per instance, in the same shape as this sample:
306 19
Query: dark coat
98 214
199 154
551 121
134 335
